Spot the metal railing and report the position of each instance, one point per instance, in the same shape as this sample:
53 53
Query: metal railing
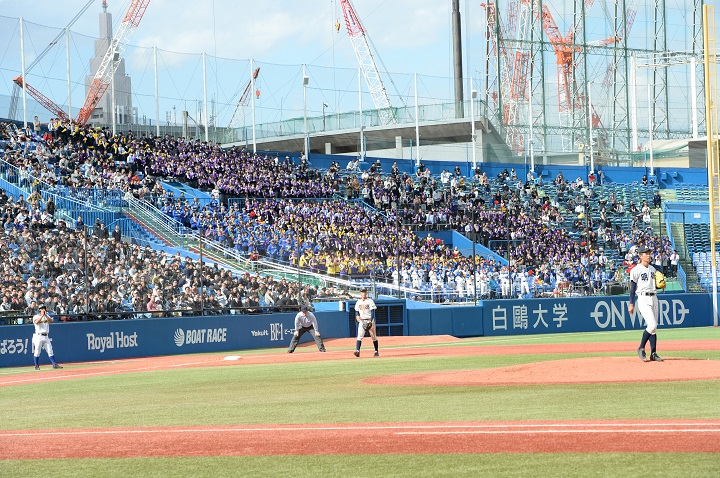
440 112
161 224
20 317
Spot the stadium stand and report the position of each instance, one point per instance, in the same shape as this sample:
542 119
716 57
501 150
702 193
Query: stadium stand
356 224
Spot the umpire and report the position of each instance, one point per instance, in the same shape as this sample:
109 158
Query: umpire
305 321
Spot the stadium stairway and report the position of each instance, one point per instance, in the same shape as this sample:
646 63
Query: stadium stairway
171 234
658 227
678 235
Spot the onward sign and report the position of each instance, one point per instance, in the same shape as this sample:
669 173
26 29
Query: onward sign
589 314
611 315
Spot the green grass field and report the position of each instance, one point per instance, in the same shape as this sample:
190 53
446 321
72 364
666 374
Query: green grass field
331 391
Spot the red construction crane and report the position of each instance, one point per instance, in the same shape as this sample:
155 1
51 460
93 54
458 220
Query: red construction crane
514 58
569 94
108 65
243 101
46 102
16 90
564 51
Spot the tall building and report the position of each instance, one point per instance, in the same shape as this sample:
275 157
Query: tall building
123 83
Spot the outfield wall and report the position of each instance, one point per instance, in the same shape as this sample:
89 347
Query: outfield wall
117 339
105 340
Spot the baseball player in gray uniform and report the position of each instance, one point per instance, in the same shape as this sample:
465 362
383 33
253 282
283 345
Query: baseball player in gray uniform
642 292
41 337
305 321
366 322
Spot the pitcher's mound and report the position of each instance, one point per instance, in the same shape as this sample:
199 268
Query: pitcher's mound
570 371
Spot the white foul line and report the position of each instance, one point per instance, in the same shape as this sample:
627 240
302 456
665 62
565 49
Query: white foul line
424 429
587 430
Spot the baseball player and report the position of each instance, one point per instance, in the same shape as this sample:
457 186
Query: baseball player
41 337
642 291
366 322
305 321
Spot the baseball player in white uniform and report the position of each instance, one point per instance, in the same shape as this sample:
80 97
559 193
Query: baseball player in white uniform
364 312
305 321
642 292
41 337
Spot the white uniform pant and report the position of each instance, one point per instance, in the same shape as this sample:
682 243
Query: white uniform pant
647 305
40 342
361 331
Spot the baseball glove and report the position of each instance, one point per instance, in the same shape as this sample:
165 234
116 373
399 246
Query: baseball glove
659 280
366 324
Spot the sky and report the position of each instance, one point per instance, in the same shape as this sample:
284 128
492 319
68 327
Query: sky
277 31
408 36
295 32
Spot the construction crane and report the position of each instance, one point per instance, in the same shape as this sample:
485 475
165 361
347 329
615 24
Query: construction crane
243 101
109 63
496 34
18 85
359 40
46 102
515 67
570 73
517 90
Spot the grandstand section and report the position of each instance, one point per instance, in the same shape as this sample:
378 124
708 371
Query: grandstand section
302 233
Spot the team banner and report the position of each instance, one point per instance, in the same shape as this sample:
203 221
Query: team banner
590 314
115 339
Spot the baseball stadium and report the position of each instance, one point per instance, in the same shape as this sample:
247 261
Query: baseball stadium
238 237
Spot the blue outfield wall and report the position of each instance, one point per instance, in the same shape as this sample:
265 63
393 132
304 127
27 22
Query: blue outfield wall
590 314
116 339
559 315
106 340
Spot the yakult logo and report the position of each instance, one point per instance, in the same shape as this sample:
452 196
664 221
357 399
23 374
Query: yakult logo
116 340
612 315
199 336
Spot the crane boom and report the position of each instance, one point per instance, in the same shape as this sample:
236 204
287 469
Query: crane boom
108 65
570 72
16 88
244 97
46 102
360 44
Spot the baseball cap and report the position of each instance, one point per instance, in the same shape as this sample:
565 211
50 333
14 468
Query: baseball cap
303 308
644 249
42 307
364 289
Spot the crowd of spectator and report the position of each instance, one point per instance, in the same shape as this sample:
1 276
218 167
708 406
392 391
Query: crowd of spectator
281 219
79 277
342 239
